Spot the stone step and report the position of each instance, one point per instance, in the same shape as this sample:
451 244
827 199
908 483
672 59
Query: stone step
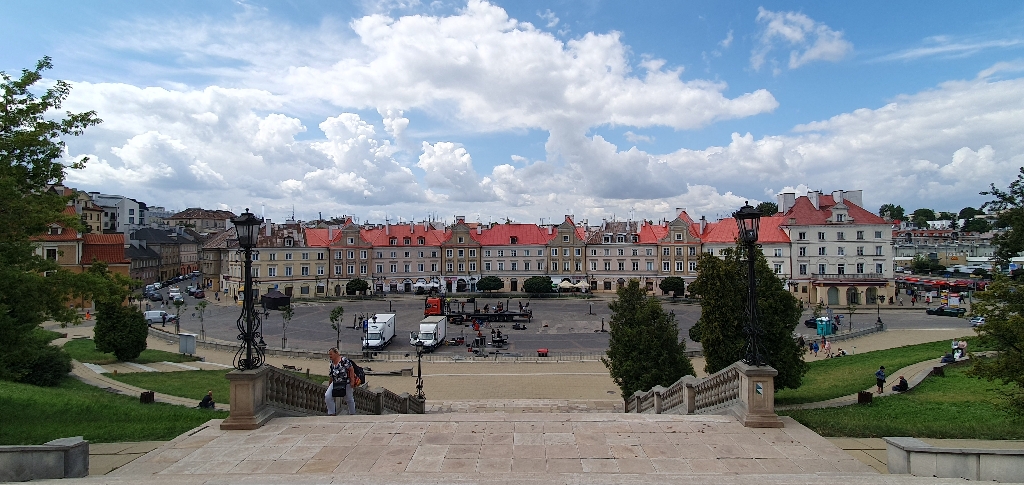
526 406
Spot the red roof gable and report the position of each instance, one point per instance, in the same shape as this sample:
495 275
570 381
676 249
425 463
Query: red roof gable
806 215
108 248
501 234
380 236
725 231
319 238
651 233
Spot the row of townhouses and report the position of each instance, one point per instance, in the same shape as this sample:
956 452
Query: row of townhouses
825 247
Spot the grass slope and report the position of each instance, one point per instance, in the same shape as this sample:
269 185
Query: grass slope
34 415
832 378
84 350
955 406
191 384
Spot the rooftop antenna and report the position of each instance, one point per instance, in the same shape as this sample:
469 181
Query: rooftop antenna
293 212
263 210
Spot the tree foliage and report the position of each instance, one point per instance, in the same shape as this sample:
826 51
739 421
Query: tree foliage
644 349
673 283
121 330
977 225
30 158
537 284
768 208
922 216
892 211
357 285
1009 205
336 314
721 284
1002 305
490 283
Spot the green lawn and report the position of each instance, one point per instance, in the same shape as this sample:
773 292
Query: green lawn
832 378
955 406
84 350
192 384
34 415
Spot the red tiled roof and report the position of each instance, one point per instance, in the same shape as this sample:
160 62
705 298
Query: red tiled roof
652 233
805 213
500 234
66 234
379 236
108 248
318 238
726 231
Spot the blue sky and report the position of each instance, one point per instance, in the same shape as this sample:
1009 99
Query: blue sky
532 109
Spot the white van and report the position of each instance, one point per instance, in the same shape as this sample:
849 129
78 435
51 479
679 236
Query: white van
157 316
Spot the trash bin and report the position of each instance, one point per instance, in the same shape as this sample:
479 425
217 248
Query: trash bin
542 352
187 343
864 397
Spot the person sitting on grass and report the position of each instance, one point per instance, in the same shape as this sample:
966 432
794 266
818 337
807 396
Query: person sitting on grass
901 386
207 402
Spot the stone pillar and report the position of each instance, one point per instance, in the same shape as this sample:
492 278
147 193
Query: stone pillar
757 397
249 409
690 394
657 398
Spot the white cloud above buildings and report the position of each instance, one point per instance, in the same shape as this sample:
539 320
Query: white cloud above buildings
371 118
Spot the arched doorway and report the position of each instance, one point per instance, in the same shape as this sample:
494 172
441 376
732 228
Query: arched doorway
513 284
460 285
871 295
337 290
852 296
620 283
833 295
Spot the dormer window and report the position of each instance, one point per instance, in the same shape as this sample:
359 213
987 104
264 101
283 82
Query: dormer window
620 238
393 241
288 242
679 236
351 240
407 241
636 238
840 217
421 241
513 240
54 230
607 239
565 238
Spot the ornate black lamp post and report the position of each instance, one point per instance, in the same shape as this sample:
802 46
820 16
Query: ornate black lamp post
419 370
747 220
250 355
878 309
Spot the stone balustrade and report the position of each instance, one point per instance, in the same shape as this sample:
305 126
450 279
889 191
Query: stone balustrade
261 394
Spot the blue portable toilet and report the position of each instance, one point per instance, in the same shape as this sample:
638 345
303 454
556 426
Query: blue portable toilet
824 325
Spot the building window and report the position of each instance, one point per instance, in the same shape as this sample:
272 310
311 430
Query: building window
693 266
394 268
778 252
650 266
305 255
51 254
487 265
433 267
448 253
304 290
565 238
801 235
841 251
472 267
593 252
472 253
462 253
421 241
593 266
860 250
566 266
407 241
578 252
554 252
778 268
621 252
288 242
501 253
840 217
351 240
860 267
271 271
840 268
636 266
407 267
840 236
514 266
288 256
380 268
803 269
679 251
693 251
878 250
362 269
487 253
802 250
419 267
679 265
362 254
664 265
664 252
287 270
394 254
860 234
878 234
320 256
305 271
607 265
821 236
821 251
878 268
351 269
540 265
320 270
462 267
393 241
821 269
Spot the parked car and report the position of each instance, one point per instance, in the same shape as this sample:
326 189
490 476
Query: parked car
200 294
155 297
947 311
813 322
977 321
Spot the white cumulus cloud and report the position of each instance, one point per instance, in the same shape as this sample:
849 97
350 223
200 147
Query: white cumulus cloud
808 40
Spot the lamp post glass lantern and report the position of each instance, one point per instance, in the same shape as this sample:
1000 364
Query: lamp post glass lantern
419 370
250 354
748 221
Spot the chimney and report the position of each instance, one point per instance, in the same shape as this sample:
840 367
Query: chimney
551 229
703 224
412 227
812 196
479 229
460 219
837 196
786 201
679 210
387 229
856 197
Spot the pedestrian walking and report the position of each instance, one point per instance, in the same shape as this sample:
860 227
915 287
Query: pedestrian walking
163 320
880 379
828 347
340 385
913 301
815 349
901 301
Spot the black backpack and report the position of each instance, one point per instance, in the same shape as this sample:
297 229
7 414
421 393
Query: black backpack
359 372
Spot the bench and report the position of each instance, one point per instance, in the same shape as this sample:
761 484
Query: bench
291 368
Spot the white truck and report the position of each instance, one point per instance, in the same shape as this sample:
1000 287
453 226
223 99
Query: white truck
380 330
432 332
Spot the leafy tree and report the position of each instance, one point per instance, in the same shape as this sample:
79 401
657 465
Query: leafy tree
201 307
287 312
536 284
643 348
336 315
894 212
922 265
1009 205
121 330
490 283
673 283
1002 305
945 216
969 213
768 208
179 305
922 216
722 286
977 225
355 286
30 158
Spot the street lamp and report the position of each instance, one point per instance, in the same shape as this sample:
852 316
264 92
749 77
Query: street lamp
748 220
878 309
419 370
250 355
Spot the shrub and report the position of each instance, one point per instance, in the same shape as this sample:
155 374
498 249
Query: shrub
537 284
121 330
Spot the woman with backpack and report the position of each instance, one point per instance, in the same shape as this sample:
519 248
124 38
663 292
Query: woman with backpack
340 385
